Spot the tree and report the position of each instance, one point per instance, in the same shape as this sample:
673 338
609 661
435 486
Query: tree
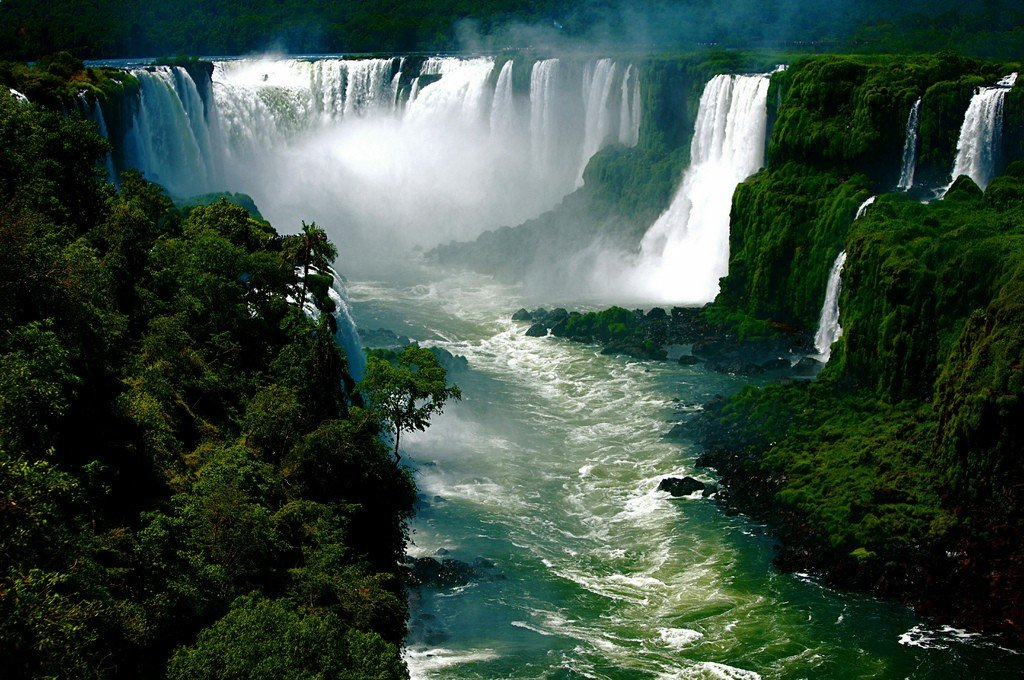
313 249
404 394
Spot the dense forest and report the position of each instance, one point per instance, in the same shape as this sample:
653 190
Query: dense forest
132 28
190 483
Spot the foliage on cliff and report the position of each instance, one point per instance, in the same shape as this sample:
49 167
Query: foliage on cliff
183 478
899 469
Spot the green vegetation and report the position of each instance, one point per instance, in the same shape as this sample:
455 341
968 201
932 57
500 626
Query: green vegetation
135 28
407 391
186 486
898 469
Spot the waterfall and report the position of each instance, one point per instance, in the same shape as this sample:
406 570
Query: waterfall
347 336
977 150
461 91
333 139
18 95
629 111
503 113
910 149
597 90
686 251
543 82
829 329
169 136
864 208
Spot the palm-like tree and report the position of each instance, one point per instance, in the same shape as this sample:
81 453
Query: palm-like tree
315 250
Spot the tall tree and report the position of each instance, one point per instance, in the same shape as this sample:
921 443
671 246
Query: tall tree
406 393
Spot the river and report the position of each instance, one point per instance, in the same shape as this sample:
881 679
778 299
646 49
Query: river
549 469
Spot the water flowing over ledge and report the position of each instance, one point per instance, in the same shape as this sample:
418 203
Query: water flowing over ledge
978 147
407 151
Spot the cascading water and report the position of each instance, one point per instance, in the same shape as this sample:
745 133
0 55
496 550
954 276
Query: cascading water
629 113
829 329
977 150
910 149
347 334
543 84
597 91
90 109
864 208
503 112
169 138
18 95
386 160
686 251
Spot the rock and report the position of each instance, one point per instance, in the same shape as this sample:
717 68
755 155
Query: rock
709 490
382 338
776 364
522 315
537 330
807 366
443 573
688 360
448 572
681 487
657 313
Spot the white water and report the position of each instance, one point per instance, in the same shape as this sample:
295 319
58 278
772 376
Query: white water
385 161
549 468
629 114
597 93
863 208
18 95
829 329
909 163
981 135
686 251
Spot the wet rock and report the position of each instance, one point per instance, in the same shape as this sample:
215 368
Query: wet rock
522 315
776 364
382 338
681 487
537 330
448 572
688 360
807 367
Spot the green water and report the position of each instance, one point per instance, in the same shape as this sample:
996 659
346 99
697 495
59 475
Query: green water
549 468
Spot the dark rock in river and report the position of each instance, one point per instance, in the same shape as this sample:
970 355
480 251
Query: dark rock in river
537 330
776 364
449 572
522 315
681 487
807 366
688 360
382 338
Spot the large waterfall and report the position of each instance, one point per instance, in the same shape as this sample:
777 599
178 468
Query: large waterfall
386 154
909 163
977 150
686 251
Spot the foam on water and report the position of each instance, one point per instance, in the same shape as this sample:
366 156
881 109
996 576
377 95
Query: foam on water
549 467
678 638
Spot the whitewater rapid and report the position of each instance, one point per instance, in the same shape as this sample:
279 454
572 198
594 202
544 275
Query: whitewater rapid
549 469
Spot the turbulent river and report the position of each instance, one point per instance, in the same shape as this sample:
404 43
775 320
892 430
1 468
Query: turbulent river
549 468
